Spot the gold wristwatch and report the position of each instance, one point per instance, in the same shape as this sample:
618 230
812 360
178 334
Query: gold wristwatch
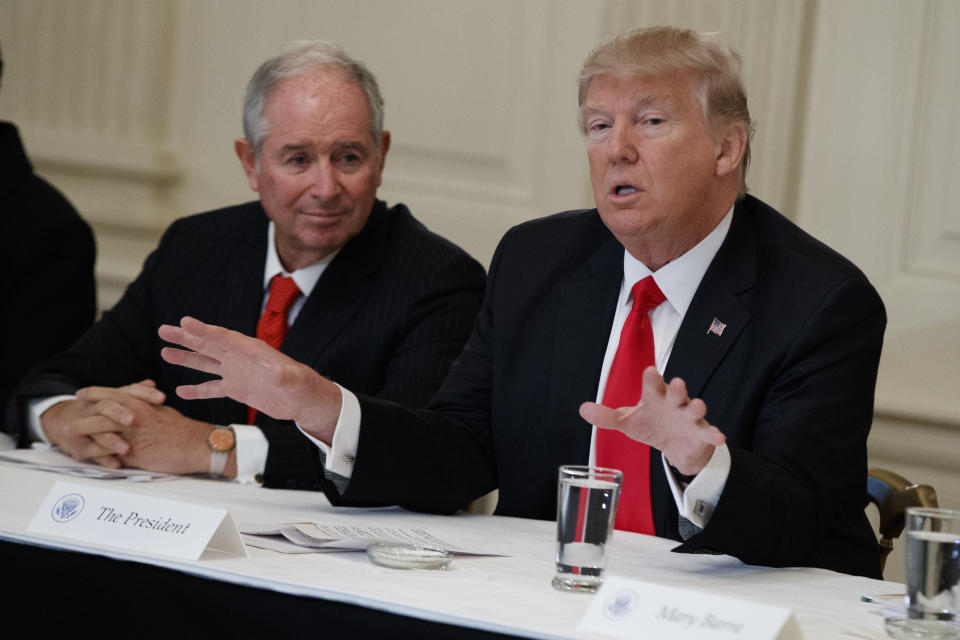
221 441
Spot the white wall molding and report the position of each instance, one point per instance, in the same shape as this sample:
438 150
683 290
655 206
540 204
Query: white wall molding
87 81
87 154
933 443
932 237
880 185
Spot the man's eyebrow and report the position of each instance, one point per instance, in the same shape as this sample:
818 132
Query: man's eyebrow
349 145
643 101
294 146
591 109
640 101
354 145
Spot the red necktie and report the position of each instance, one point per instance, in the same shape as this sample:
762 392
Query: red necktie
624 388
272 327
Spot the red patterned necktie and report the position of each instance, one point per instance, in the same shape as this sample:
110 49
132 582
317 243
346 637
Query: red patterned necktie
272 327
624 388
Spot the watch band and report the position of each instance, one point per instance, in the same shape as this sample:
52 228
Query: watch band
218 462
681 477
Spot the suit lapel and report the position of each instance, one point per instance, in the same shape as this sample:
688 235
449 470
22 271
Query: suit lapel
234 299
247 292
340 292
698 351
585 312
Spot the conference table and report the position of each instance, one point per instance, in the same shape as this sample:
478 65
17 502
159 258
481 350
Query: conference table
65 587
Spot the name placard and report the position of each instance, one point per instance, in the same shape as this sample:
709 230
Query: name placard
108 518
629 608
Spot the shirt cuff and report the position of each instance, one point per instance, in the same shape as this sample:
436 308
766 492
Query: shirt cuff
342 450
697 502
35 409
252 448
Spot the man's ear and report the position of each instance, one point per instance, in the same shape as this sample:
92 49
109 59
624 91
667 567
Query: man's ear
730 151
382 153
384 147
248 160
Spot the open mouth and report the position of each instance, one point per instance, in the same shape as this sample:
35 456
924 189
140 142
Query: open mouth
624 189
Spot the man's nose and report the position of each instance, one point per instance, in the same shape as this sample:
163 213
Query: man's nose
324 184
623 143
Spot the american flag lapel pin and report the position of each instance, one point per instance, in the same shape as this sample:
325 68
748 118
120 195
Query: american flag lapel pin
716 327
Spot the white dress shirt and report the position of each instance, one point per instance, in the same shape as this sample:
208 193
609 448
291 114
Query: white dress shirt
678 280
251 445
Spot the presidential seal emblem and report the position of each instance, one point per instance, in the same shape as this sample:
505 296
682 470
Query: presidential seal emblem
620 604
67 508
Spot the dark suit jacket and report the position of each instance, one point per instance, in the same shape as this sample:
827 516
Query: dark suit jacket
46 267
790 382
388 316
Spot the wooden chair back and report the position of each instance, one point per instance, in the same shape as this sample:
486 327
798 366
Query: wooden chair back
892 493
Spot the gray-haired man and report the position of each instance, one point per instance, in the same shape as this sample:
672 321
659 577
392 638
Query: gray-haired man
379 304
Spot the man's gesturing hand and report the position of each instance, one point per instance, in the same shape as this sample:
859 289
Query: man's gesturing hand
667 419
253 373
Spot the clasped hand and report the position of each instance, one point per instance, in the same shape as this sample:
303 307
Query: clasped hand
128 426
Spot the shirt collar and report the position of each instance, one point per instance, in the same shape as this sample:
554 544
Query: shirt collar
679 279
306 278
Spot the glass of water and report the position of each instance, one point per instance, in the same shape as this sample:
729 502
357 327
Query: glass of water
586 509
933 572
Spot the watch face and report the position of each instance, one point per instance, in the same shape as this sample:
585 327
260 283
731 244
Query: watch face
221 439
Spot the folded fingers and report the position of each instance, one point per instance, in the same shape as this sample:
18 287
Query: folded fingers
145 390
92 437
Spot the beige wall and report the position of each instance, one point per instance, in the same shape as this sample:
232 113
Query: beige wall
131 106
880 181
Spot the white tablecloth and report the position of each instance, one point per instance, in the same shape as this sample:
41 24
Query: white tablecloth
505 594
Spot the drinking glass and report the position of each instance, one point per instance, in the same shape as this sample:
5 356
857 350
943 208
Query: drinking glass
586 510
933 574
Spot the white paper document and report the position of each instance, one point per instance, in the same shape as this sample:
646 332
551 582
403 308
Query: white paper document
51 459
343 535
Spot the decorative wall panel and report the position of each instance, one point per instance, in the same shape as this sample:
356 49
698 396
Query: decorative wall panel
87 82
932 238
879 183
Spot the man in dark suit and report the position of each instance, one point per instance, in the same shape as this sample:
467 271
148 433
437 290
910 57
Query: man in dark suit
46 267
775 337
377 302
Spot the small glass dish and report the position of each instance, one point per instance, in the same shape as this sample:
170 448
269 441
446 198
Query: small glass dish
900 628
400 555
